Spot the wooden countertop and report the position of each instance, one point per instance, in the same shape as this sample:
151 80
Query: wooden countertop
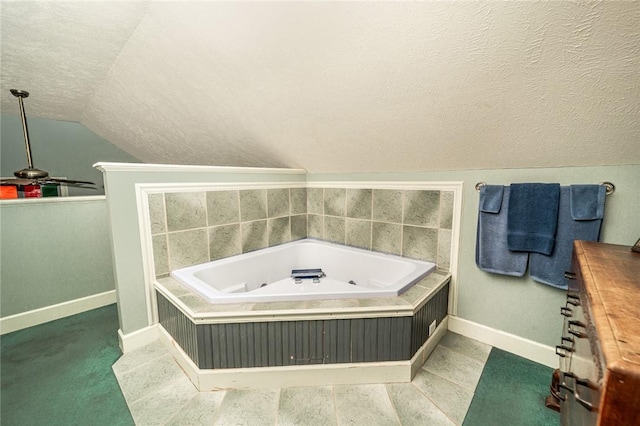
611 275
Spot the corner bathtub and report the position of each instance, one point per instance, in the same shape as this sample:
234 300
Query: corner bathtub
264 275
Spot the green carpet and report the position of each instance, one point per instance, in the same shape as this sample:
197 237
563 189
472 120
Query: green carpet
59 373
511 392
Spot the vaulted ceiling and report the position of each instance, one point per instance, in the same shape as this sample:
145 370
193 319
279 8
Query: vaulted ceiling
336 86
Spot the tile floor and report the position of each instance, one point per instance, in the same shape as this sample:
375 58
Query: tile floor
159 393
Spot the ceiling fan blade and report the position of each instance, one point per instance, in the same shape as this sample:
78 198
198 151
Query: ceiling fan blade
18 181
68 182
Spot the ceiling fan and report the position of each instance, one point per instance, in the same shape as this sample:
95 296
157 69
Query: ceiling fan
31 175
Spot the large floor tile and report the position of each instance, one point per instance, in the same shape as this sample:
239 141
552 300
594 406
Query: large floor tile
149 378
454 366
157 407
414 408
200 410
140 356
449 397
307 406
364 405
249 407
466 346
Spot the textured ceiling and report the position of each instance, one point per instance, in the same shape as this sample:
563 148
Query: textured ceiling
336 86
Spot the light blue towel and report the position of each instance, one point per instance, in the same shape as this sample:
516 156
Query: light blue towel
492 253
532 217
587 201
550 269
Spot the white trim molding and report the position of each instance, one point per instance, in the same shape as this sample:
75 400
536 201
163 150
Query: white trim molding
517 345
177 168
137 339
61 310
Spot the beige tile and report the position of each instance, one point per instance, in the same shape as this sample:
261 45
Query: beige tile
222 207
200 410
306 406
414 408
450 398
446 209
160 254
466 346
279 230
387 205
386 237
188 248
359 233
359 203
173 286
185 210
298 200
253 204
298 227
244 407
158 406
334 229
444 250
254 235
364 405
334 201
454 366
150 377
315 200
420 243
156 213
224 241
315 226
136 358
278 204
422 208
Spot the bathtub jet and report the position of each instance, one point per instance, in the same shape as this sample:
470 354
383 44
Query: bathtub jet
303 270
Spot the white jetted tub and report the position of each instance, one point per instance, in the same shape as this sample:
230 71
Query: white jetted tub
266 275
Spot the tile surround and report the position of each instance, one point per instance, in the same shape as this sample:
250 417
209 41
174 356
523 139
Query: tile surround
194 227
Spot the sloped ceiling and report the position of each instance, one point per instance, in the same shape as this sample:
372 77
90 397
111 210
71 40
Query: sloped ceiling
336 86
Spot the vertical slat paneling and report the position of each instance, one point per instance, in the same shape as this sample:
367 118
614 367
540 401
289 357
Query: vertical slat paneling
302 342
384 340
343 341
357 340
370 339
181 328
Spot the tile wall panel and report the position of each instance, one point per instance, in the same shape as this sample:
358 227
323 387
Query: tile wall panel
188 228
411 223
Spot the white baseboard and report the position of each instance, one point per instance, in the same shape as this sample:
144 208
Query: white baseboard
49 313
520 346
137 339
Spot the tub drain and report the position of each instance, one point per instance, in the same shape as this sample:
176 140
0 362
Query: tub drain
263 285
352 282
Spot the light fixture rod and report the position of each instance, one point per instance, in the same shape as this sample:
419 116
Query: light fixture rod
25 130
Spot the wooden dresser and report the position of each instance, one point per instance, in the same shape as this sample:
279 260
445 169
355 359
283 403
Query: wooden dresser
600 349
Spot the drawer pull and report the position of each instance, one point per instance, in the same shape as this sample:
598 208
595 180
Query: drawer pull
569 275
578 334
581 382
566 311
577 324
568 339
573 299
562 349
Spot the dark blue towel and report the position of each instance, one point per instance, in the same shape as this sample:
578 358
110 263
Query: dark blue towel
492 253
550 269
532 217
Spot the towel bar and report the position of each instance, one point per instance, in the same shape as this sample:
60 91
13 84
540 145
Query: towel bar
610 187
